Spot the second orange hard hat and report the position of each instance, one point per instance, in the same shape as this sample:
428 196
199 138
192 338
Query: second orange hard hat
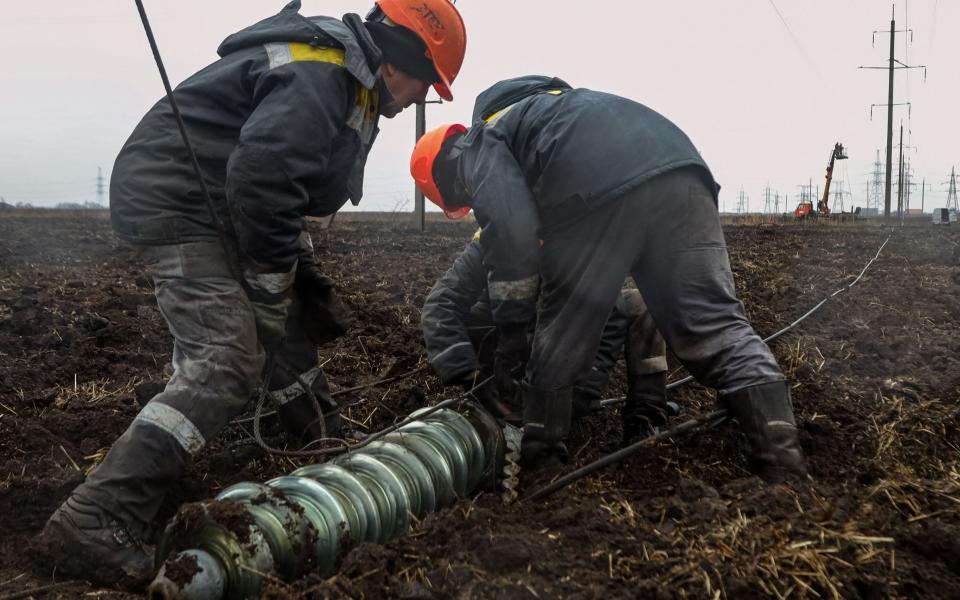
421 166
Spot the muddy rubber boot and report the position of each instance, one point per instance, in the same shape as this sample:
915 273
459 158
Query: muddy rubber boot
546 422
646 409
300 419
765 414
85 541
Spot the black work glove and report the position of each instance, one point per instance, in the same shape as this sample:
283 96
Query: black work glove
513 350
325 316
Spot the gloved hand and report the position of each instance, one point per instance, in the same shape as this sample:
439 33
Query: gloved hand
486 395
271 320
325 316
513 351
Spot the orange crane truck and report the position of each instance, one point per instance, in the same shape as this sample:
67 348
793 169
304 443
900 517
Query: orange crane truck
805 209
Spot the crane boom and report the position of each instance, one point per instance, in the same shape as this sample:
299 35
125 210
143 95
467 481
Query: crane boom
838 154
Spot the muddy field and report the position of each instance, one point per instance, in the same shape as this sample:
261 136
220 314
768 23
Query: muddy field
876 388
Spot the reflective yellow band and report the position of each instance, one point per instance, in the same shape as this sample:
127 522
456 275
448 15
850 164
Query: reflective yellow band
492 117
316 53
502 112
282 53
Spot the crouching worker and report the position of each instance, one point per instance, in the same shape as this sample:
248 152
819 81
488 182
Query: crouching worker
282 125
462 347
612 188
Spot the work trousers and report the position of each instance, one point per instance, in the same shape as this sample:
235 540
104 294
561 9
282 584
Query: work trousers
217 363
666 234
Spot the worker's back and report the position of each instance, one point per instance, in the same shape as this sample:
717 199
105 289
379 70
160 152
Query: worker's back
316 72
579 148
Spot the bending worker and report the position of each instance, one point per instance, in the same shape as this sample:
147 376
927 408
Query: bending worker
282 125
463 349
612 188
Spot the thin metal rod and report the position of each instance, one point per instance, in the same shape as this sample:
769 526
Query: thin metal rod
609 459
419 210
219 223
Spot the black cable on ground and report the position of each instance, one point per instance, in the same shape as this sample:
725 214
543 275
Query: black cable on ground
712 418
609 459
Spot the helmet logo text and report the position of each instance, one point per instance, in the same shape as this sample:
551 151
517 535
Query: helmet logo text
428 16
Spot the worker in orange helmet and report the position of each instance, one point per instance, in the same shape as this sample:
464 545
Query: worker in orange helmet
612 188
282 125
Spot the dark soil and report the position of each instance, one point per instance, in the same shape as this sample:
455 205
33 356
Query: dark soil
876 387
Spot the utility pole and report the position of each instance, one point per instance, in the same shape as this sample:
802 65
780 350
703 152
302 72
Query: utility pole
419 211
908 176
99 186
886 194
742 202
900 179
891 66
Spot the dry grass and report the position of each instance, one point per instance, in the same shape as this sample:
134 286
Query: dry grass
91 392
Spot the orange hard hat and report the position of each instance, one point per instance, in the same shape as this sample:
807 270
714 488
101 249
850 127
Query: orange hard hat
421 166
438 24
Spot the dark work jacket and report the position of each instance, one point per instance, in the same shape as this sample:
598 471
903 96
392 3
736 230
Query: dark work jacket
281 124
539 156
459 301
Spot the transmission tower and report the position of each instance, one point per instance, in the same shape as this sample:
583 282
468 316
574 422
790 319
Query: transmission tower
952 191
743 202
769 204
99 186
838 195
806 192
875 192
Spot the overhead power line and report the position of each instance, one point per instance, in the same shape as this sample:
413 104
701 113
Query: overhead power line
796 40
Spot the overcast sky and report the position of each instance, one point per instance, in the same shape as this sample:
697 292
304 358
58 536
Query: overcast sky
764 88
